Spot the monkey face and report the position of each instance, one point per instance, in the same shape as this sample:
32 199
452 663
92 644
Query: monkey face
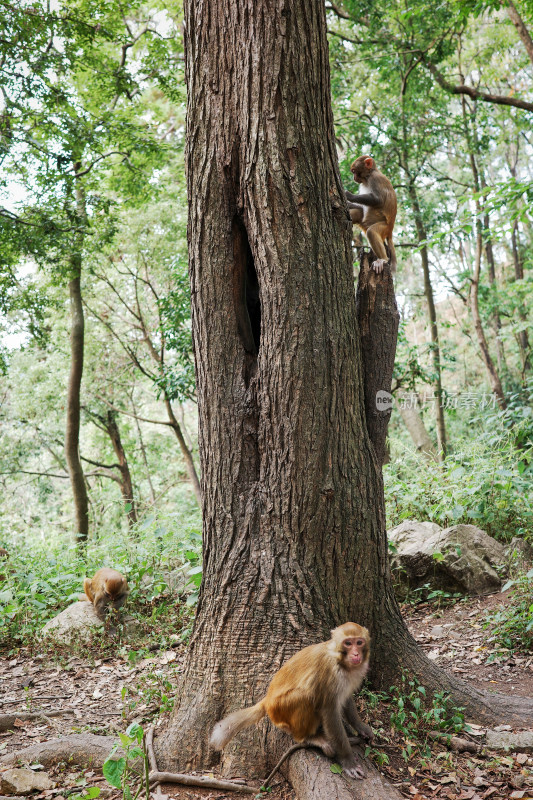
354 651
362 168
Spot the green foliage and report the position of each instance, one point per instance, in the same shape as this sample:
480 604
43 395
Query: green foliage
511 626
413 716
485 482
36 584
91 793
122 773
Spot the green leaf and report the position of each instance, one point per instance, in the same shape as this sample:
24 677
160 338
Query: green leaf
113 771
135 731
336 769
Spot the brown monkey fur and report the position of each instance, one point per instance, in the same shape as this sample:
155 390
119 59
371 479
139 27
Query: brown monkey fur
374 209
107 588
309 696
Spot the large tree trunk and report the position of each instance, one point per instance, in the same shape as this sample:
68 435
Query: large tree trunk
293 523
378 318
77 333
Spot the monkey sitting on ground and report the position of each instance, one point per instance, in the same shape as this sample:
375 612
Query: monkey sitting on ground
108 588
309 696
374 209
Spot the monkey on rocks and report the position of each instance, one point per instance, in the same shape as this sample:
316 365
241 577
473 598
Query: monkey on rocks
108 588
311 694
374 209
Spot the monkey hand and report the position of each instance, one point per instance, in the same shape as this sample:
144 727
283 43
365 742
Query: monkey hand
378 265
365 731
352 767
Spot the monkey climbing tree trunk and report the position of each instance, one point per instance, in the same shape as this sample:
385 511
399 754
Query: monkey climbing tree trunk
77 334
293 506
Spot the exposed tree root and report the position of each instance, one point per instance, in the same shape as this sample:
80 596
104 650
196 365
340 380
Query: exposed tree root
293 749
7 721
156 777
282 760
77 749
198 780
310 776
486 708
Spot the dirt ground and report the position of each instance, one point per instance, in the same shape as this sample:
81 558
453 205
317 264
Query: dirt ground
105 695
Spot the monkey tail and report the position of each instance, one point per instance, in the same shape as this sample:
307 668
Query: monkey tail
228 727
393 261
87 588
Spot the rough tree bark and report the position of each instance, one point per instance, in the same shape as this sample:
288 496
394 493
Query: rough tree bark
77 334
378 318
293 516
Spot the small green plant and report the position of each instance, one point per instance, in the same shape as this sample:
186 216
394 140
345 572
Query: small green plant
512 626
378 756
438 597
88 794
119 772
413 716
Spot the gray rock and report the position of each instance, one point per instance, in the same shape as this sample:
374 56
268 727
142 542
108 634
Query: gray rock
518 550
461 558
411 532
19 781
516 742
176 579
76 621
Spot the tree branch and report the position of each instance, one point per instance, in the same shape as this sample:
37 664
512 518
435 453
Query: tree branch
340 12
475 93
135 416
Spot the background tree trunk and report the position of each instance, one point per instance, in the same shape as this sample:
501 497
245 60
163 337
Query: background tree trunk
126 485
523 337
433 326
492 374
293 514
77 335
407 406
